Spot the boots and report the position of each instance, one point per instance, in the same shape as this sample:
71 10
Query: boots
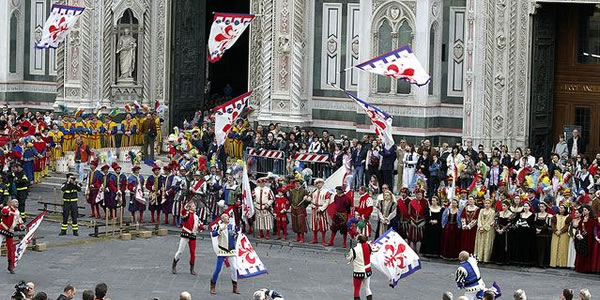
63 232
323 237
11 270
174 266
166 219
302 238
192 269
75 232
261 234
331 238
370 297
267 235
212 287
141 217
298 235
235 287
314 240
356 298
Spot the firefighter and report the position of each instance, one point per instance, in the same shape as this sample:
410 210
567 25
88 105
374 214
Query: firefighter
21 184
70 191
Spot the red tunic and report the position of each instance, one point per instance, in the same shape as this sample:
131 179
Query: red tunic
467 236
8 220
585 263
416 216
281 204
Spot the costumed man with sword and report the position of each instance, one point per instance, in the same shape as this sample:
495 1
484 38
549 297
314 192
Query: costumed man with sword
137 202
468 278
198 191
10 218
154 186
299 200
319 201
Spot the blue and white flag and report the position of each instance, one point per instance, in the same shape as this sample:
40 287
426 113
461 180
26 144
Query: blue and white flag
394 258
401 63
380 119
61 21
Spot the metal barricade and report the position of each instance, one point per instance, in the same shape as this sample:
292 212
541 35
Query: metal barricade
318 163
266 161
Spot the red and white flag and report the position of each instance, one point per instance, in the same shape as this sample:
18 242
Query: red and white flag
247 261
401 63
381 120
394 257
224 32
31 228
60 22
247 203
226 114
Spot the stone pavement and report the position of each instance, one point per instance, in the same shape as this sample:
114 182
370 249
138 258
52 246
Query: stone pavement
140 269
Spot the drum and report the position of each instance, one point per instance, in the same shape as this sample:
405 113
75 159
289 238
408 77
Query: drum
62 166
70 157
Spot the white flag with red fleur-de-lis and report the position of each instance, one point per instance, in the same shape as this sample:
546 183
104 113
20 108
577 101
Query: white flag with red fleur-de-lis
224 32
401 63
393 257
226 115
61 21
247 261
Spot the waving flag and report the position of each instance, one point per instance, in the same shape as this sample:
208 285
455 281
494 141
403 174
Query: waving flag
399 64
247 261
60 22
226 114
394 257
380 119
224 32
31 228
247 203
214 225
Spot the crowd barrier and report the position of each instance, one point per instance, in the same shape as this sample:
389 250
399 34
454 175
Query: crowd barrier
318 163
266 161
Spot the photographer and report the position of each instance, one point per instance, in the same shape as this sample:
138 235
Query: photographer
70 189
24 291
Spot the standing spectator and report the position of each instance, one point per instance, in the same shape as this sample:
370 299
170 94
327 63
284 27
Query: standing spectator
575 144
424 162
451 231
373 160
528 159
435 176
410 161
433 229
559 247
523 247
101 290
82 157
68 293
467 173
502 226
359 156
584 243
561 148
387 165
468 218
543 227
452 162
400 151
484 240
148 129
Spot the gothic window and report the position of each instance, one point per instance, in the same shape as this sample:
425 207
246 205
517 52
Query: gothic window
589 35
405 37
12 66
384 36
128 24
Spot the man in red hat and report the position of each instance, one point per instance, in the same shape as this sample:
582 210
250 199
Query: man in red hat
96 179
402 212
10 218
416 216
137 202
281 207
342 204
263 199
168 195
299 200
155 186
319 201
117 184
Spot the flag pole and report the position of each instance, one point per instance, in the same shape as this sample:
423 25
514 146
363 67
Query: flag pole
591 55
335 87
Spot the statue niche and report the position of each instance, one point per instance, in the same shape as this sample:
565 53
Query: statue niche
126 50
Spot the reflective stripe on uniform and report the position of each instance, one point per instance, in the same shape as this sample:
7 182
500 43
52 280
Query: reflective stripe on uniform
70 200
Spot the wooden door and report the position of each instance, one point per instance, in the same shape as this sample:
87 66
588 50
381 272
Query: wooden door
577 80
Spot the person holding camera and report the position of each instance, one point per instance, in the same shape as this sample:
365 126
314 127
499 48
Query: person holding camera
10 219
70 191
24 291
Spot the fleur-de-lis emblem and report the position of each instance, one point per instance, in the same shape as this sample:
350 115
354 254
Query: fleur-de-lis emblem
246 251
394 257
55 30
223 38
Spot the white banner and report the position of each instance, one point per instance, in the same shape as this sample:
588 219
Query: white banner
248 262
61 21
31 228
226 114
394 258
247 203
224 32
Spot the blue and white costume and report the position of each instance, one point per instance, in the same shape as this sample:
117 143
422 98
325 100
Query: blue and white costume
469 279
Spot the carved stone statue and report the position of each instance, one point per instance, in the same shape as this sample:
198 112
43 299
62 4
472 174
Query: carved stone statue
126 50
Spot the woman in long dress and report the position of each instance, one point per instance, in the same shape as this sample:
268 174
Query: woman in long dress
543 226
596 242
410 162
468 218
450 246
523 250
452 161
584 258
386 212
484 239
500 253
573 231
432 234
559 247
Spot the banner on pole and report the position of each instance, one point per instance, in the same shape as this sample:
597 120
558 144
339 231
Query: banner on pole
394 258
61 21
31 228
226 29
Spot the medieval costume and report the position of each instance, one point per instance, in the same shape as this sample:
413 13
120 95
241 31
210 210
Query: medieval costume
189 229
341 208
155 185
263 199
198 194
559 246
543 226
9 220
468 278
484 239
522 247
169 195
386 213
360 257
298 203
319 202
137 202
365 209
450 246
97 179
432 232
179 189
468 218
281 208
226 234
503 225
584 243
417 208
402 213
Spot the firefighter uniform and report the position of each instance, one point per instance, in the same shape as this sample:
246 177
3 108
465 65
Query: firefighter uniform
70 197
21 182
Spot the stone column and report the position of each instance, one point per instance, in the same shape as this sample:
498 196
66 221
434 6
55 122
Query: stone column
8 9
497 82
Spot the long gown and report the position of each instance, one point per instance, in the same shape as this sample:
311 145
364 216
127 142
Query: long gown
523 247
450 246
572 253
467 236
432 234
484 239
543 239
584 260
559 247
596 251
500 252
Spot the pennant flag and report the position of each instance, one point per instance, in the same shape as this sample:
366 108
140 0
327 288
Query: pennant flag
380 119
399 64
226 114
247 203
248 262
60 22
31 228
394 257
224 32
